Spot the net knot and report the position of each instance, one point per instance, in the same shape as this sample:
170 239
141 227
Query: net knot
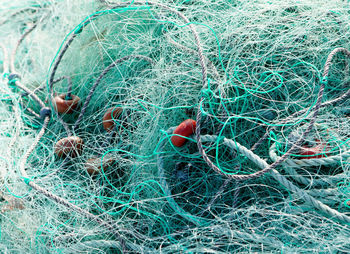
324 80
44 112
27 180
12 78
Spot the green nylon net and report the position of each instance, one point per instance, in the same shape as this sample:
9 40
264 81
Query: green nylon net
265 62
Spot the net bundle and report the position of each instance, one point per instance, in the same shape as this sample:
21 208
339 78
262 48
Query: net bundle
91 95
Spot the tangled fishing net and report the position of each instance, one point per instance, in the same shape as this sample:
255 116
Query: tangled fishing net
267 166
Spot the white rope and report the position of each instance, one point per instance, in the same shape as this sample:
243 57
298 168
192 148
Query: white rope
280 178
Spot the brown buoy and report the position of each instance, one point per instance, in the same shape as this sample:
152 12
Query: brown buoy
69 147
94 165
109 118
64 106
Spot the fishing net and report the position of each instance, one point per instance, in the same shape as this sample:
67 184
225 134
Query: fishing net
266 169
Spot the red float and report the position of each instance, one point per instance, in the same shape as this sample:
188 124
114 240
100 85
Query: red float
318 151
186 128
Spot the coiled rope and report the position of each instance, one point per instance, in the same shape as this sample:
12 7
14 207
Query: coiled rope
261 163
